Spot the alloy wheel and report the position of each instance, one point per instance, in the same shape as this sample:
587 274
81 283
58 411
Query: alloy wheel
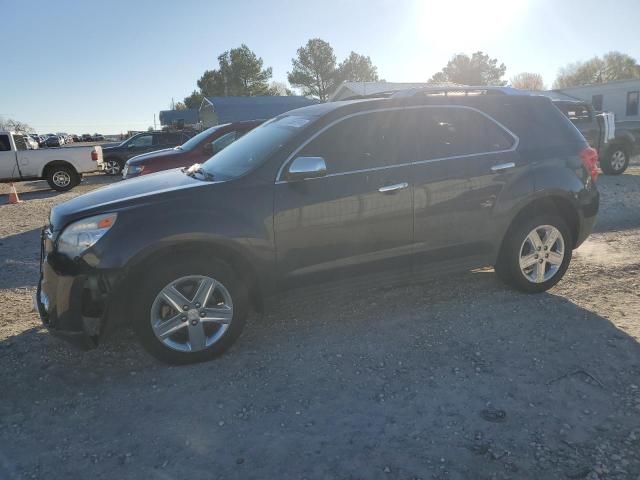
61 179
618 160
191 313
542 253
112 167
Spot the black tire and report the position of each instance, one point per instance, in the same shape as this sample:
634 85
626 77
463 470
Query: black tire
616 161
62 177
113 166
163 274
508 265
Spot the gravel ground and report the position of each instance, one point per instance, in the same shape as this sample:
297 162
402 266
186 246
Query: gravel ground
455 379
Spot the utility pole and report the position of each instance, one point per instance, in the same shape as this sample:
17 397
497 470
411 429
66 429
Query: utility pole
154 121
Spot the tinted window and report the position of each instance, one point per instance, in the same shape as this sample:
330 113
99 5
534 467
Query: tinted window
5 145
450 132
632 103
142 141
20 142
364 141
167 139
575 112
596 102
254 148
224 141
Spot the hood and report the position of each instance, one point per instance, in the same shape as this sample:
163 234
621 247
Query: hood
144 157
124 194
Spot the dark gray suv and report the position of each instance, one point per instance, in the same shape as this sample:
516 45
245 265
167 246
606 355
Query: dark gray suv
418 182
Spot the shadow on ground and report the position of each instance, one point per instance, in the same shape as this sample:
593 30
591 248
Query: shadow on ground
458 378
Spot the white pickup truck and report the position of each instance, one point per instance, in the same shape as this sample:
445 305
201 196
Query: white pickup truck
62 168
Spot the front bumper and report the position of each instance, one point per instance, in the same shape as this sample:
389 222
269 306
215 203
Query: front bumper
65 304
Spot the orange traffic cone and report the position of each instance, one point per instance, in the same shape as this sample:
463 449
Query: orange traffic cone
13 195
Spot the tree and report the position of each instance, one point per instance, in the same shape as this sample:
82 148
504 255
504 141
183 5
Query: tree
180 106
478 69
357 68
240 72
314 69
194 100
15 126
280 88
612 66
528 81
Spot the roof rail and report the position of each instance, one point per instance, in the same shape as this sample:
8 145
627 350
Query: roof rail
459 90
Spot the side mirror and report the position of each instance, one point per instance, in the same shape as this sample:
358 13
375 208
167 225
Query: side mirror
306 167
131 146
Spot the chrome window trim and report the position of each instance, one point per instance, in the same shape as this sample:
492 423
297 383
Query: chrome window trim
516 141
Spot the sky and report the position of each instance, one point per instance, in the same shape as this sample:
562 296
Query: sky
90 66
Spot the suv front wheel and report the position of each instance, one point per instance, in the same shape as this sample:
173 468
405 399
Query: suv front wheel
190 310
535 254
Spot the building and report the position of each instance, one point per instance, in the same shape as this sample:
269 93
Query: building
354 89
217 110
620 97
179 118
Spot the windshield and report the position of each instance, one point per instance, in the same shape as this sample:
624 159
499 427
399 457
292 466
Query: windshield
194 141
253 149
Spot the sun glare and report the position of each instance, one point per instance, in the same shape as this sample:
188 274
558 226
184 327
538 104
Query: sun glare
463 25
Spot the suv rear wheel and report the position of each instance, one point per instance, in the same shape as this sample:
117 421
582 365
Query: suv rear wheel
190 310
615 161
112 166
535 254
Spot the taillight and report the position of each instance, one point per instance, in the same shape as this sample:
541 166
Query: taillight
589 157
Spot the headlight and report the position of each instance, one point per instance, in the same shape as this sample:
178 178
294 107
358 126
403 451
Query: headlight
83 234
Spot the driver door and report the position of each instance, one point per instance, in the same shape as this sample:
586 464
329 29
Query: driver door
141 144
358 217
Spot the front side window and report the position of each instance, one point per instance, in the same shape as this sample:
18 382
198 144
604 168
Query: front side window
141 141
5 145
222 142
364 141
632 103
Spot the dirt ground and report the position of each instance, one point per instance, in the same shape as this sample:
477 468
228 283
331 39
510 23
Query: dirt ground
457 378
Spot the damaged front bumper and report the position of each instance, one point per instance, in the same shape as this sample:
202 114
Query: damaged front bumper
70 300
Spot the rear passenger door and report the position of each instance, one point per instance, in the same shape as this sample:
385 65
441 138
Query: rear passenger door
466 160
358 218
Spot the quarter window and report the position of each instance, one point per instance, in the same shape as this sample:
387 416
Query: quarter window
632 103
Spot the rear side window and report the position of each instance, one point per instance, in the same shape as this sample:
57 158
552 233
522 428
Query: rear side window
632 103
369 140
596 102
20 142
451 132
5 145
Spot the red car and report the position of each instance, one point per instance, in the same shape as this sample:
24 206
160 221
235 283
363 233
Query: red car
197 149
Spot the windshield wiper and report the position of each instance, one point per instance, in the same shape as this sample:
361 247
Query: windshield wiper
196 169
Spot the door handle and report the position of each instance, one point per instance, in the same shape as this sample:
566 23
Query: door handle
502 166
393 188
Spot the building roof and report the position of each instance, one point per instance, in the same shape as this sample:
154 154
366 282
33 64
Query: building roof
237 109
632 82
169 117
351 89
